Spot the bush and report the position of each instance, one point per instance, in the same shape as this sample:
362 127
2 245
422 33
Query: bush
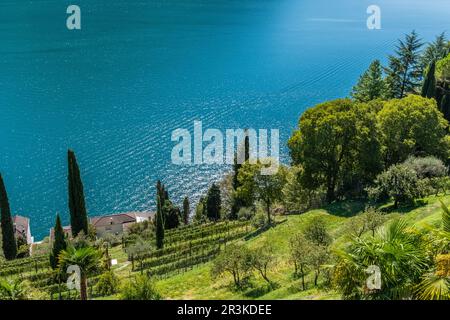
140 287
107 284
317 233
246 214
426 167
259 220
399 182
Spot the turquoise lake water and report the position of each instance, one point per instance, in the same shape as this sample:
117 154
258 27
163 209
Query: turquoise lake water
114 90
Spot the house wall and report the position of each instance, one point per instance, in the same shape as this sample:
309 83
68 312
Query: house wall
114 229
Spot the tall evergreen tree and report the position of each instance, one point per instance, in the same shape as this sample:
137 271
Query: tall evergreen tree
77 206
213 203
8 238
200 211
246 146
186 210
429 83
405 71
59 243
445 106
436 50
159 221
162 192
235 200
171 214
371 84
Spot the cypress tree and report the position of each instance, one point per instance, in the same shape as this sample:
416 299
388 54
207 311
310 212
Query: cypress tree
159 224
59 243
8 239
162 192
236 201
213 203
246 146
77 206
429 84
445 106
186 210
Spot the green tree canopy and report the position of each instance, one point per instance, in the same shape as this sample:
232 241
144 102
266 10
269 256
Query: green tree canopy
268 188
435 50
412 126
371 84
405 71
337 145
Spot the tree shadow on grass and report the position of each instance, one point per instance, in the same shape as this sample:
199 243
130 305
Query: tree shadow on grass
347 208
261 290
263 229
390 208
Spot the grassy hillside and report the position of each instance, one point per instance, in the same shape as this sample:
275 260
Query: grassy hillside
192 279
198 284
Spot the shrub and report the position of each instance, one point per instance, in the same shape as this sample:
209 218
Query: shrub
369 220
399 182
107 284
141 287
259 220
317 233
246 214
426 167
12 290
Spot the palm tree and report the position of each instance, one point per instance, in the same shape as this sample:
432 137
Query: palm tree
86 258
435 284
397 250
12 290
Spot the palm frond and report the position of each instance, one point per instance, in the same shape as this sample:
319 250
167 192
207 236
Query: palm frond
433 287
445 217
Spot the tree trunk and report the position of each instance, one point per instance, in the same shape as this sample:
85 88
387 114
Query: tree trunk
303 278
264 276
330 189
269 221
83 288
